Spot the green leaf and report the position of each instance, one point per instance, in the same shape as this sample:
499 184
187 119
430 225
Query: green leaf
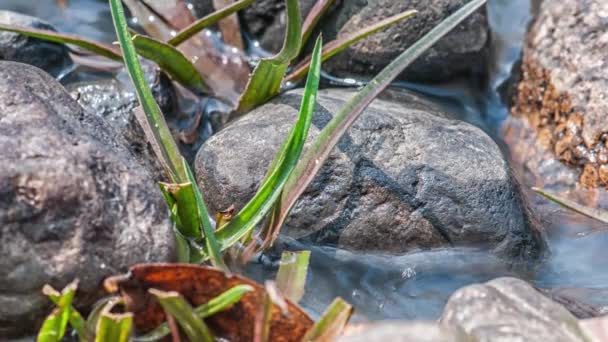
211 19
93 319
54 327
331 324
154 124
291 278
75 319
282 166
172 61
317 153
114 327
220 303
597 214
334 47
51 36
313 17
267 77
175 305
186 209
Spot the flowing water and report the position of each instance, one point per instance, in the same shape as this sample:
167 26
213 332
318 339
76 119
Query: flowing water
417 285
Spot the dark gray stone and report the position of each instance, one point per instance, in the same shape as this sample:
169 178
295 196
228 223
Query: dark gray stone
74 203
404 177
114 99
509 309
50 57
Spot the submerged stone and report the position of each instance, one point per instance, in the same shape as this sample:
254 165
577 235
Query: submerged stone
406 176
561 102
74 202
50 57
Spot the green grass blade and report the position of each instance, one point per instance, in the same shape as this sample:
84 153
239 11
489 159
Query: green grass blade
187 210
51 36
172 61
76 320
54 326
211 244
267 77
218 304
331 324
175 305
114 327
313 17
207 21
338 45
291 278
282 166
169 152
327 139
597 214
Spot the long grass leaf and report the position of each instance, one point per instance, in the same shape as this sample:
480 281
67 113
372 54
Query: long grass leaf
169 152
329 327
336 46
76 320
267 77
282 166
327 139
207 21
291 278
220 303
101 49
54 326
172 61
114 327
597 214
175 305
312 19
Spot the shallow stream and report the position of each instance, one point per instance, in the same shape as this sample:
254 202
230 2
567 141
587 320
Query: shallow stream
417 285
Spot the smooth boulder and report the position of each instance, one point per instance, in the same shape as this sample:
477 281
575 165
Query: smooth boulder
51 57
561 101
406 176
509 309
74 202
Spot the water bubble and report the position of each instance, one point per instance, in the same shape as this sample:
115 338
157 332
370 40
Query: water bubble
151 18
256 44
190 6
207 32
234 50
134 20
173 33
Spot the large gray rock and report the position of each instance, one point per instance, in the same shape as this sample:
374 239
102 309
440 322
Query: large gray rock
404 332
462 51
404 177
561 102
50 57
509 309
74 203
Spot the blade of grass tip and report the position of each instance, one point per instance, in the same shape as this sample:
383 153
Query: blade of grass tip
220 303
291 278
338 45
330 326
267 77
263 318
75 318
93 318
175 305
51 36
327 139
211 19
597 214
312 19
282 166
211 244
54 326
114 327
169 152
172 61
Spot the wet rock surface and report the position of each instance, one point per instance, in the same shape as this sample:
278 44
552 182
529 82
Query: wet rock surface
74 203
114 100
561 100
509 309
405 177
51 57
462 51
404 332
581 302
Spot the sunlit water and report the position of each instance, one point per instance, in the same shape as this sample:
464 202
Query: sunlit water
417 285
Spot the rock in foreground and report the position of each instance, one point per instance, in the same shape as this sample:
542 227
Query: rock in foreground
406 176
562 98
73 202
50 57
